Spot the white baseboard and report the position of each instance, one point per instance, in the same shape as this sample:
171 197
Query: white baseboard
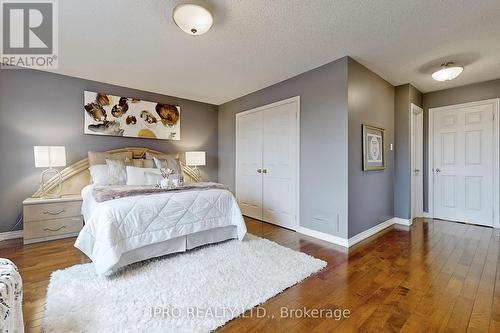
357 238
370 232
427 215
398 220
11 235
323 236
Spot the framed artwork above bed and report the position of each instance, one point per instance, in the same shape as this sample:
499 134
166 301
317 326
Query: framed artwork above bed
130 117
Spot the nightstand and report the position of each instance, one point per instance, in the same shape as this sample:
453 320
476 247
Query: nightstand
47 218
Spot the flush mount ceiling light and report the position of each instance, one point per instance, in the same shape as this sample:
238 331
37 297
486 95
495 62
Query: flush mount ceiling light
447 72
192 19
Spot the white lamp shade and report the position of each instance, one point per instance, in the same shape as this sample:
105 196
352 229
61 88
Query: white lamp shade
50 156
195 158
192 19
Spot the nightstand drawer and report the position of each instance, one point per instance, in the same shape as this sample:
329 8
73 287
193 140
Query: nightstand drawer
50 211
38 229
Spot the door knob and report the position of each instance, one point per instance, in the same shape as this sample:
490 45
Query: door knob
416 170
259 170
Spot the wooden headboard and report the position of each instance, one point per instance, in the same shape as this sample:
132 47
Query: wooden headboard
77 176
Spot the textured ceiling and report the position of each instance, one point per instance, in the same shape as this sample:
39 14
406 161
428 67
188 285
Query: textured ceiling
256 43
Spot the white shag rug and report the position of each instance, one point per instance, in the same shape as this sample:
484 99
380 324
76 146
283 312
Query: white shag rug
195 291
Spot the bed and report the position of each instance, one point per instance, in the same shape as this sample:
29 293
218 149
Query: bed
129 229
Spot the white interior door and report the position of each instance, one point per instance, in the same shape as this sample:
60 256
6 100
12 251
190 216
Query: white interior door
417 152
463 163
249 163
280 164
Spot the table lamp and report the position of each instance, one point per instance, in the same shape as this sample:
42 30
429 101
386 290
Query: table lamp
196 159
50 157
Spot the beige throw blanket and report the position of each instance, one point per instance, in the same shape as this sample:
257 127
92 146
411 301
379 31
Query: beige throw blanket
105 193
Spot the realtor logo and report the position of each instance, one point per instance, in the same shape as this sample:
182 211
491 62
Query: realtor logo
29 34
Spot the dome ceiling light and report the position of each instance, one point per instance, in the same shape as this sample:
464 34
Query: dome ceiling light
192 19
447 72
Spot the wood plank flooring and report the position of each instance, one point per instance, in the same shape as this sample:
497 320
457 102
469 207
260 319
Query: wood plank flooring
436 276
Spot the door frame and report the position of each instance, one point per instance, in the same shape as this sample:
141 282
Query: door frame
495 102
295 99
414 110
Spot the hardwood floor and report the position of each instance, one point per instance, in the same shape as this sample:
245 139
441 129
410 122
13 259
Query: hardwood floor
437 276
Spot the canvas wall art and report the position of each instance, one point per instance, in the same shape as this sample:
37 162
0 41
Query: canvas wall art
130 117
373 148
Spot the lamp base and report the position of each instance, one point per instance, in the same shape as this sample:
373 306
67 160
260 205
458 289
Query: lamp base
198 172
44 185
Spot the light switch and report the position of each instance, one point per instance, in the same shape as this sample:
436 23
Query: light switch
390 147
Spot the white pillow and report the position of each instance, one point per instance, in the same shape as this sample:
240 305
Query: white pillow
137 176
99 174
116 172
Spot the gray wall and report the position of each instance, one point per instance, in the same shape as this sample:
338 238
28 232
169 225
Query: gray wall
371 193
416 97
323 142
464 94
405 95
39 108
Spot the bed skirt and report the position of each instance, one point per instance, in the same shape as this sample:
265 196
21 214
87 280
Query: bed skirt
178 244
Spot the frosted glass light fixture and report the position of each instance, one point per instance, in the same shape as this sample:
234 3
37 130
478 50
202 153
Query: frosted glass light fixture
192 19
50 157
447 72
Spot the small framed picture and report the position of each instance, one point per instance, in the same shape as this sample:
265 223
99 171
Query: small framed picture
373 148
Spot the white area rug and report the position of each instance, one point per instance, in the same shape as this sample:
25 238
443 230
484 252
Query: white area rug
196 291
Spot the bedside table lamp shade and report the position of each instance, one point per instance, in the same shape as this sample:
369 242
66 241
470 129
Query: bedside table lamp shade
50 157
196 159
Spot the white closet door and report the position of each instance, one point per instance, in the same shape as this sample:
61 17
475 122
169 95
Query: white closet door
463 164
280 167
249 164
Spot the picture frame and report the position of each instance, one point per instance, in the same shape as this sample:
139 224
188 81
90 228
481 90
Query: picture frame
111 115
374 152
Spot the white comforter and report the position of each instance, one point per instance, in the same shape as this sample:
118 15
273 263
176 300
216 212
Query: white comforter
117 226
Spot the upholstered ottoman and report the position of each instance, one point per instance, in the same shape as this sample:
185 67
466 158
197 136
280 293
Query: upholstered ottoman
11 298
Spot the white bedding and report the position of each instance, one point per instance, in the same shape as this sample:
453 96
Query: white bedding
115 227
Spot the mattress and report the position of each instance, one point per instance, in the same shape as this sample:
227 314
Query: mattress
125 230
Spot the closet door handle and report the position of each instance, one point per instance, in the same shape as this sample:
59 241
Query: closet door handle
259 170
264 171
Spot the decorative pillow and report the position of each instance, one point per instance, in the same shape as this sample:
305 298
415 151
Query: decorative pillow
99 174
152 178
169 163
116 172
137 176
149 161
148 164
150 156
137 162
96 158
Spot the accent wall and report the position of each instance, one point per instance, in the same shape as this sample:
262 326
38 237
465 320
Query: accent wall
40 108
